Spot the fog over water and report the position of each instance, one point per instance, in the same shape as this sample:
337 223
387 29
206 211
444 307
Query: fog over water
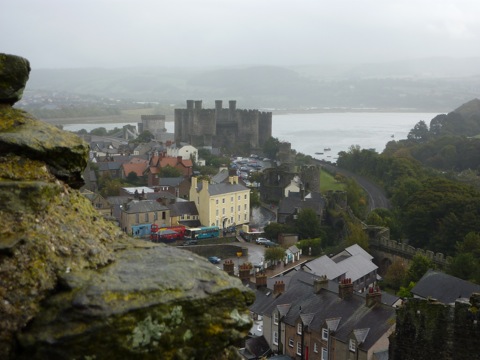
313 133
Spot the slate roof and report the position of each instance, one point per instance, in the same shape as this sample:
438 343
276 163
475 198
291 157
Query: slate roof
143 206
350 316
223 188
353 262
175 181
220 177
257 346
183 208
294 201
444 288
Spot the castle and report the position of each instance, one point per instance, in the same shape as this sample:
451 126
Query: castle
230 128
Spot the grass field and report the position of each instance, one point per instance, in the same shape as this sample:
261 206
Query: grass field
328 182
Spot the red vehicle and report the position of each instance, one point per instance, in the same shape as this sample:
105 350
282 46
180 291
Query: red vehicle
167 234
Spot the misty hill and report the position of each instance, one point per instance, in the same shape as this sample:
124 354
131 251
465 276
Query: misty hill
421 85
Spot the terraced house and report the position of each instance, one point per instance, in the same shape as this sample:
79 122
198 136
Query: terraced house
221 204
318 319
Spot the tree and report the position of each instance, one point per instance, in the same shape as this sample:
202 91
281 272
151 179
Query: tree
310 246
254 199
396 274
274 254
170 172
419 132
307 224
271 147
145 137
273 230
356 235
418 267
100 131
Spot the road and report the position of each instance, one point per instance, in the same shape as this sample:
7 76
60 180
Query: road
376 195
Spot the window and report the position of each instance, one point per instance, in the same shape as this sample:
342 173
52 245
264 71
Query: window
223 211
290 342
352 345
146 217
238 197
315 348
324 353
275 338
245 196
299 348
324 334
216 212
299 328
231 199
223 201
231 209
155 215
275 318
239 207
245 207
216 201
164 215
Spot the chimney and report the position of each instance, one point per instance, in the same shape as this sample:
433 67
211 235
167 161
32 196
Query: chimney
320 283
345 289
374 296
204 185
179 159
278 287
194 182
230 180
244 272
228 267
261 280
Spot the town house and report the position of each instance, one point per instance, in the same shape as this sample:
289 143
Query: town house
222 205
318 319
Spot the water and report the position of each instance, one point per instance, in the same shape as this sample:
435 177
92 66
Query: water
312 133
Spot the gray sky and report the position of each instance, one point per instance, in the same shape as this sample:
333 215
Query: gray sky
131 33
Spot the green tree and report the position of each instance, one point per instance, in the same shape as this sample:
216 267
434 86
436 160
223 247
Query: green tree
170 172
418 267
271 147
419 132
307 224
311 247
274 229
356 235
406 291
254 199
274 254
100 131
396 274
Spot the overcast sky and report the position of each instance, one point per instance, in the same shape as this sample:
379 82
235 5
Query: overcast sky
131 33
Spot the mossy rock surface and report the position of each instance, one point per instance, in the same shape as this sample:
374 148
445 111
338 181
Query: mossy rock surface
160 302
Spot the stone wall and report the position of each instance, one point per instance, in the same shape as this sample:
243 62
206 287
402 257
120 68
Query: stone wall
430 330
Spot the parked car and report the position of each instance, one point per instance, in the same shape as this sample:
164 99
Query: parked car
214 259
261 240
270 244
190 242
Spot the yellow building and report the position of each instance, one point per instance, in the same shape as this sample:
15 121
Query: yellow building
223 204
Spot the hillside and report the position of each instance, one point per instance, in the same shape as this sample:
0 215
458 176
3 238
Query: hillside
422 85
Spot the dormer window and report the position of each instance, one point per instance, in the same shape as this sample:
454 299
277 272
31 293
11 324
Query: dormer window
352 345
299 328
324 334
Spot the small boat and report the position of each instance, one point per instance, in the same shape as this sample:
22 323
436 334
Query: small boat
392 136
327 149
318 153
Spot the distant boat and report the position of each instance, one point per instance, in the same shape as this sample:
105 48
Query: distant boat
392 136
327 149
318 153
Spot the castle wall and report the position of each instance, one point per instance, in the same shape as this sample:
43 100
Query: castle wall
222 127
